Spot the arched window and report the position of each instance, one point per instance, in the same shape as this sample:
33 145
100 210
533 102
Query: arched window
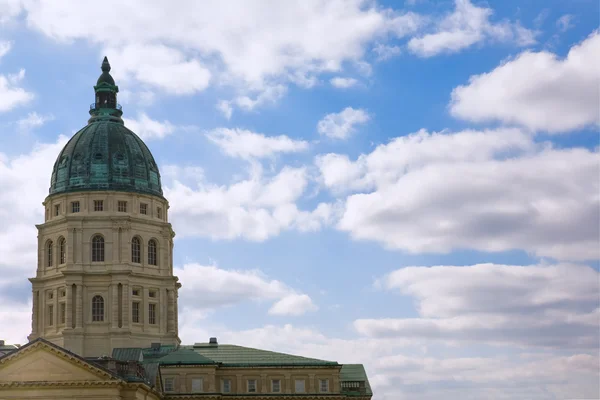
97 248
136 254
152 252
97 308
62 250
49 254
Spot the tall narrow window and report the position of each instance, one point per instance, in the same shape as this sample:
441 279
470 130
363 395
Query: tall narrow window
159 212
152 314
197 385
122 206
97 308
57 210
75 207
323 385
50 315
62 313
169 384
98 205
62 250
143 208
136 250
49 255
299 386
276 385
135 312
226 385
251 385
152 252
97 248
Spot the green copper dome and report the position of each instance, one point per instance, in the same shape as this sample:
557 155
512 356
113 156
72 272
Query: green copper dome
105 155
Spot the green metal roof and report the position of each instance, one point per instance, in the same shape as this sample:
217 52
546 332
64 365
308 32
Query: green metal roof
231 355
127 354
185 357
104 154
355 373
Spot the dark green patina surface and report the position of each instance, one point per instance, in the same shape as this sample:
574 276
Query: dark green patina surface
105 155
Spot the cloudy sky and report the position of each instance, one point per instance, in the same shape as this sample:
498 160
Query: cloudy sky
412 185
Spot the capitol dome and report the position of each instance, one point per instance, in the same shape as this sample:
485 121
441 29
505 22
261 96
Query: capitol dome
105 155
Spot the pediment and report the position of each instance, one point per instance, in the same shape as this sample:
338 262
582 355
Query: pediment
48 364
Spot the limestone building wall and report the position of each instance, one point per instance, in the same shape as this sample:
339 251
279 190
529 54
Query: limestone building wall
90 297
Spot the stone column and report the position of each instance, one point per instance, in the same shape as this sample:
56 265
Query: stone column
288 383
70 254
126 305
311 383
69 306
239 384
263 383
79 307
55 306
34 312
170 311
144 311
113 291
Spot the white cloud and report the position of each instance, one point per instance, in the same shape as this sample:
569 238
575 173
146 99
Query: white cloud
255 209
341 125
267 95
554 306
537 90
210 287
149 129
248 44
489 191
159 66
11 95
225 107
342 83
565 22
33 120
385 52
247 144
5 47
293 304
465 26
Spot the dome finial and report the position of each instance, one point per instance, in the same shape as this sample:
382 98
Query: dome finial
105 65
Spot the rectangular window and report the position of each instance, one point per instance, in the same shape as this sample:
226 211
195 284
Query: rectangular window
50 315
63 312
299 386
135 312
169 384
226 385
152 293
152 314
75 207
122 206
323 385
56 210
251 385
197 385
50 295
63 292
98 205
143 208
135 292
276 386
158 212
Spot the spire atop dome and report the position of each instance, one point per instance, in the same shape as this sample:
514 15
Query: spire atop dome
106 90
105 65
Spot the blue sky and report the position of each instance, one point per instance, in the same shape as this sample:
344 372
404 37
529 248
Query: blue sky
410 185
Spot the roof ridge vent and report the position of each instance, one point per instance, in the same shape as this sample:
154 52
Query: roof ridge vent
213 341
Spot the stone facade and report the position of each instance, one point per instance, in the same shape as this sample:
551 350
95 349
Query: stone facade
105 273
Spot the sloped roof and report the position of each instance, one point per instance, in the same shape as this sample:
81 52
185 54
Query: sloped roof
185 357
127 354
232 355
355 372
